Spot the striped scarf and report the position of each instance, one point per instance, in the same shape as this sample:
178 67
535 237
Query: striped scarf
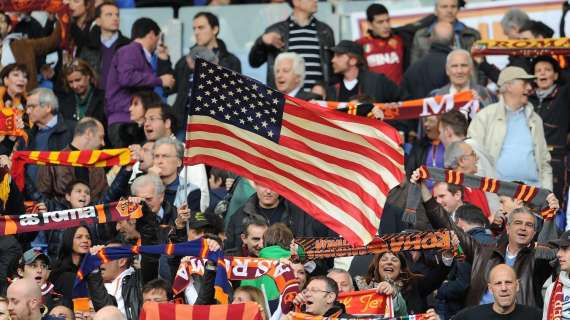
556 301
528 194
304 316
523 47
165 311
63 219
82 158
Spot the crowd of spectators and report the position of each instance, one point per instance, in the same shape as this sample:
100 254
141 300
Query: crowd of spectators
110 90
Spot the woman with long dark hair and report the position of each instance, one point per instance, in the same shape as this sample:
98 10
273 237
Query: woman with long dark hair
76 242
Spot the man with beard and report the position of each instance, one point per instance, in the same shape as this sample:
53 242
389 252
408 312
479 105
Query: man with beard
24 300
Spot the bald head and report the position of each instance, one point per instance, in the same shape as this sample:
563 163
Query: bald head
504 286
25 288
502 271
442 33
109 313
24 299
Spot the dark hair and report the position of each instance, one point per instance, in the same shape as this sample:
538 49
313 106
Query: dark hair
148 98
254 220
158 284
548 59
86 124
81 66
471 214
375 9
69 187
278 235
66 248
13 67
166 113
215 223
456 121
331 285
99 8
142 27
212 19
453 188
405 274
537 28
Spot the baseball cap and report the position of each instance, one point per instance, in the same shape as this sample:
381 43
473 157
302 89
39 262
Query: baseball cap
32 255
347 46
513 73
203 53
563 241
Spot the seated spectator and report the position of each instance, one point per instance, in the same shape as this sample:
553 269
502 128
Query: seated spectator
512 133
549 101
84 98
290 74
117 284
25 300
504 286
51 181
521 228
428 72
252 238
319 298
35 265
342 278
75 244
390 274
459 156
156 290
24 51
251 294
384 50
429 150
445 11
459 69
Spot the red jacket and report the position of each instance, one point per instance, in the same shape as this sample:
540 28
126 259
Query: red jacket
384 56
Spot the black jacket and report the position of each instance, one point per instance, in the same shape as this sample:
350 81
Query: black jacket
182 75
261 53
59 139
131 292
374 85
300 223
95 109
554 110
417 155
428 73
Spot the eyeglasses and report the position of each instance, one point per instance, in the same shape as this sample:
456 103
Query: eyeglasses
152 119
313 291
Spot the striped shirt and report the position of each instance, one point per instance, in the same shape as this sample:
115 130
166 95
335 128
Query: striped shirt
305 42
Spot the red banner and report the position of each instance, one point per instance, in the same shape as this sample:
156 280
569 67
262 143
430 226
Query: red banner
367 302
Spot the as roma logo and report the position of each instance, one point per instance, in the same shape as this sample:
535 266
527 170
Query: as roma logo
125 208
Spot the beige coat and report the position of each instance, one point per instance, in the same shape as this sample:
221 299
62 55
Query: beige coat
489 127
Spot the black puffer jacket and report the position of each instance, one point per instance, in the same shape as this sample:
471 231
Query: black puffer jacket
131 292
261 53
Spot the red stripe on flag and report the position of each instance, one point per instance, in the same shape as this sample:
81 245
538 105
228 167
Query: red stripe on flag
200 312
167 311
237 312
84 156
289 194
340 202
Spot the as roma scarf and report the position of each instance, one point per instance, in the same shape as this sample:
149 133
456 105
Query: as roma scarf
556 302
243 268
528 194
8 119
101 213
526 47
304 316
367 302
52 6
170 311
320 248
83 158
411 109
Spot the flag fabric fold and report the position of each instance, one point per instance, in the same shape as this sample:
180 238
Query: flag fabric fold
62 219
410 109
337 167
168 311
82 158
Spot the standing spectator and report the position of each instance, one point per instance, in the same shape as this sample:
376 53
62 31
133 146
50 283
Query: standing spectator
252 238
512 22
342 278
289 71
511 132
301 33
445 11
103 41
130 70
552 299
319 298
14 80
82 16
550 101
35 265
84 98
504 285
428 72
459 69
52 180
384 51
25 300
429 150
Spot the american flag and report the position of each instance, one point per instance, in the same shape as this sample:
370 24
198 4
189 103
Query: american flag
337 167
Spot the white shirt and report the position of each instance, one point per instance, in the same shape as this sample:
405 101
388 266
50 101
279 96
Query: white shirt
115 289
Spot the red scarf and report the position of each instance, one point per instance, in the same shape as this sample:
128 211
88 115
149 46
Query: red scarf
555 303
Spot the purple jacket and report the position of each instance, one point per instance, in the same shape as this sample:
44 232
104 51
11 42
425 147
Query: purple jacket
129 71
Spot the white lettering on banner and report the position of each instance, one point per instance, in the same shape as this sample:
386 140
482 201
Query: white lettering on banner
240 268
197 266
471 108
72 214
263 267
435 108
380 59
29 219
279 270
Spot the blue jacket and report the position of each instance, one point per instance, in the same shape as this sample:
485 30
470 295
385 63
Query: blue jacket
129 71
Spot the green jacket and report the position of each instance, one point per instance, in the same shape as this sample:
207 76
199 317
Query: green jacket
265 282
